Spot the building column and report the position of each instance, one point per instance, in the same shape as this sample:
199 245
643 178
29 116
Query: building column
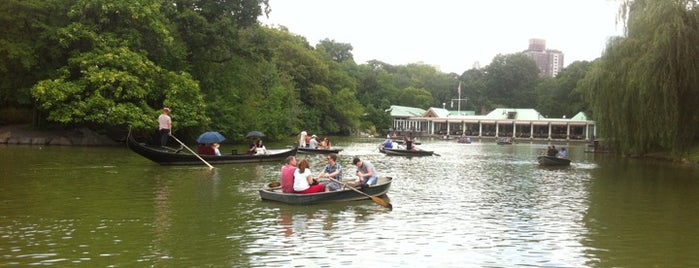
480 129
497 129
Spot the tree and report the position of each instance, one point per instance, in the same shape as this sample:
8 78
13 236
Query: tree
643 90
108 79
510 81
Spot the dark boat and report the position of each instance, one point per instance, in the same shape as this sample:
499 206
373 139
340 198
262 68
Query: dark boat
552 161
404 152
346 194
184 157
504 141
464 140
305 150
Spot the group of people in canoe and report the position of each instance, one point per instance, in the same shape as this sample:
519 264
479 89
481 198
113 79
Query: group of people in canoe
312 141
297 177
408 141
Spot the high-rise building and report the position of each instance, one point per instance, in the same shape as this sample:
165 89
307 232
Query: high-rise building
550 61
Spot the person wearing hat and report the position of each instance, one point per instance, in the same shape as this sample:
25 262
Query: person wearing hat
164 126
314 142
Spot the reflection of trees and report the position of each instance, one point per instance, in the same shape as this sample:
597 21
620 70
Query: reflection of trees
642 214
162 221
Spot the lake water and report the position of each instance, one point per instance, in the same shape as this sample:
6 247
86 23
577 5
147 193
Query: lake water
475 205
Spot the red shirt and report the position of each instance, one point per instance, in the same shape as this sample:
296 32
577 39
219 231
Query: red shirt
288 178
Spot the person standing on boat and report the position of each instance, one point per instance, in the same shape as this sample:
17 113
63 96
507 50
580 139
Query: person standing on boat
303 180
332 170
287 176
164 126
302 139
366 172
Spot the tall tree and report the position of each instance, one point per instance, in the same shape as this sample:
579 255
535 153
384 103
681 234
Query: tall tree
644 88
108 78
510 81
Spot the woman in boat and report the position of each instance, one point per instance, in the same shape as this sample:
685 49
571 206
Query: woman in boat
215 146
303 180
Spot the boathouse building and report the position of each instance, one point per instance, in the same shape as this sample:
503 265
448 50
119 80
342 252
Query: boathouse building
501 122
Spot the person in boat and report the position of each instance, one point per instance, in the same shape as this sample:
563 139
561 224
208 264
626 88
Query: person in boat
332 170
388 144
303 180
563 153
302 139
164 126
409 143
205 149
313 143
252 150
552 151
324 144
287 175
215 146
260 148
308 141
366 173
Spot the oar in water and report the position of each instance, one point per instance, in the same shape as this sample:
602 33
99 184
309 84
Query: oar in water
190 150
376 200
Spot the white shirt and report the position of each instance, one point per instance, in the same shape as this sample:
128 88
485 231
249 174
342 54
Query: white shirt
302 139
164 121
301 180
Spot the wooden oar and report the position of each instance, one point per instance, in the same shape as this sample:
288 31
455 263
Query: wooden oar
376 200
190 150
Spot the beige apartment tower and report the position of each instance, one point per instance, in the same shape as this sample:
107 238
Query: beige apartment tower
550 61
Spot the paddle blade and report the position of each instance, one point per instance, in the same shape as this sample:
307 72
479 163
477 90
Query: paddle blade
382 202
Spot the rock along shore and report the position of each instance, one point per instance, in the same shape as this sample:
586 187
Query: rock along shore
23 134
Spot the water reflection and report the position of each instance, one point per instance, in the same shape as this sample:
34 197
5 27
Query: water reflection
476 205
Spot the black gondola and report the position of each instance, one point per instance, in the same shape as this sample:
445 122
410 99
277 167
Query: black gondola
184 157
552 161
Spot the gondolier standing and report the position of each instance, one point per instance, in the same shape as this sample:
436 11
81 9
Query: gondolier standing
164 126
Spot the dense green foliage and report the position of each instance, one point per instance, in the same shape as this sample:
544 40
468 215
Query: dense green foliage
116 63
645 88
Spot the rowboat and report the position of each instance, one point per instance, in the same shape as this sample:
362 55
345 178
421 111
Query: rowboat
404 152
343 195
552 161
305 150
184 157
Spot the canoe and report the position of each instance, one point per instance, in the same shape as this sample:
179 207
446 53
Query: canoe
404 152
184 157
552 161
305 150
344 195
464 140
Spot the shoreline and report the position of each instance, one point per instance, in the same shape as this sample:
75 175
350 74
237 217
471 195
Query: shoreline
24 135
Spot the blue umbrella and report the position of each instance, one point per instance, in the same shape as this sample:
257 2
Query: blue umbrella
211 137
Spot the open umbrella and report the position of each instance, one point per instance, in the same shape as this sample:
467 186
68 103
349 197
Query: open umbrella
211 137
255 134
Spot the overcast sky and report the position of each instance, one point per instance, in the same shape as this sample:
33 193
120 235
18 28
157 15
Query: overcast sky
450 34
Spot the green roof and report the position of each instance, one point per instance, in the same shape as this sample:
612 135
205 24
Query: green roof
403 111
